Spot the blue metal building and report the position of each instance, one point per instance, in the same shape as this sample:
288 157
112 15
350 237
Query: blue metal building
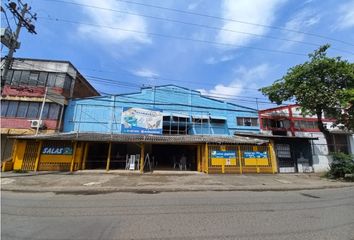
159 128
184 111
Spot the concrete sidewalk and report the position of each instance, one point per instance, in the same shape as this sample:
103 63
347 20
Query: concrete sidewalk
97 181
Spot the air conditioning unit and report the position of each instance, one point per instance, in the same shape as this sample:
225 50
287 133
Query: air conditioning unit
36 123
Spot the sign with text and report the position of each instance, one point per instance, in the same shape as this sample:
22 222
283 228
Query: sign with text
141 121
256 158
223 157
57 151
255 155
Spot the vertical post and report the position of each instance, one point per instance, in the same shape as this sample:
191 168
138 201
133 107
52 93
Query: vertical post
73 158
272 157
142 155
255 149
109 156
223 148
239 157
85 156
198 159
61 117
292 121
38 156
206 158
41 113
112 115
170 123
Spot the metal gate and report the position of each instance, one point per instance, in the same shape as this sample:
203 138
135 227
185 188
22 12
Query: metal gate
30 156
242 162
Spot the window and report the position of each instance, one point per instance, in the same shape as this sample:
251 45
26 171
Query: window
12 109
16 77
67 83
33 78
33 110
30 110
24 77
42 80
9 76
59 81
243 121
301 124
51 79
4 105
45 111
54 111
22 109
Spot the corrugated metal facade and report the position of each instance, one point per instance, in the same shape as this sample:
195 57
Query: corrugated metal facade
103 114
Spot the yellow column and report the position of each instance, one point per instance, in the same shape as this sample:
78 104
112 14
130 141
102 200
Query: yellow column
109 156
223 148
255 149
73 158
272 157
38 156
85 156
18 154
239 157
199 160
142 155
206 158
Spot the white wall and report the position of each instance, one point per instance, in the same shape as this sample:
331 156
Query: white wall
320 154
351 143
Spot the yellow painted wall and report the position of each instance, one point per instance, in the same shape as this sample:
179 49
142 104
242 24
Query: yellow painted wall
55 158
19 154
256 161
223 161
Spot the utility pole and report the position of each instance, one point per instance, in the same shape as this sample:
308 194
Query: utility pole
23 21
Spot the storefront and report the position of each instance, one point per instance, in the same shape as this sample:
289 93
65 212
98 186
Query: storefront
209 154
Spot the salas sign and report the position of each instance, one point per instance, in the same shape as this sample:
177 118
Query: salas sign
141 121
57 151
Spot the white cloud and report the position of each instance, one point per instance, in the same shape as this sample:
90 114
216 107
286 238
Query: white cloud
225 58
255 11
194 5
144 72
245 78
114 20
346 16
301 21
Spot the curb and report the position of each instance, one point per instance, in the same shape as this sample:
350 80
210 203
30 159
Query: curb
162 189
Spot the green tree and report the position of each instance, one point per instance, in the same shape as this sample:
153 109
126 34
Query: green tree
320 85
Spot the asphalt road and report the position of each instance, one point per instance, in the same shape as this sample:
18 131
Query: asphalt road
317 214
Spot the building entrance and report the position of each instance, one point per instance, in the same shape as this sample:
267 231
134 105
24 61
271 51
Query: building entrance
174 157
97 156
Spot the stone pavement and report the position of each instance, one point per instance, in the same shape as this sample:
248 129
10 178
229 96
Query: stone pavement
100 181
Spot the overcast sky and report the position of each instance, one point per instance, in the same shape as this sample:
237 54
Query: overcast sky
226 48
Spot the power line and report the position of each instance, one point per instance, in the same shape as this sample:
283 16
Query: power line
232 20
129 85
196 24
175 37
